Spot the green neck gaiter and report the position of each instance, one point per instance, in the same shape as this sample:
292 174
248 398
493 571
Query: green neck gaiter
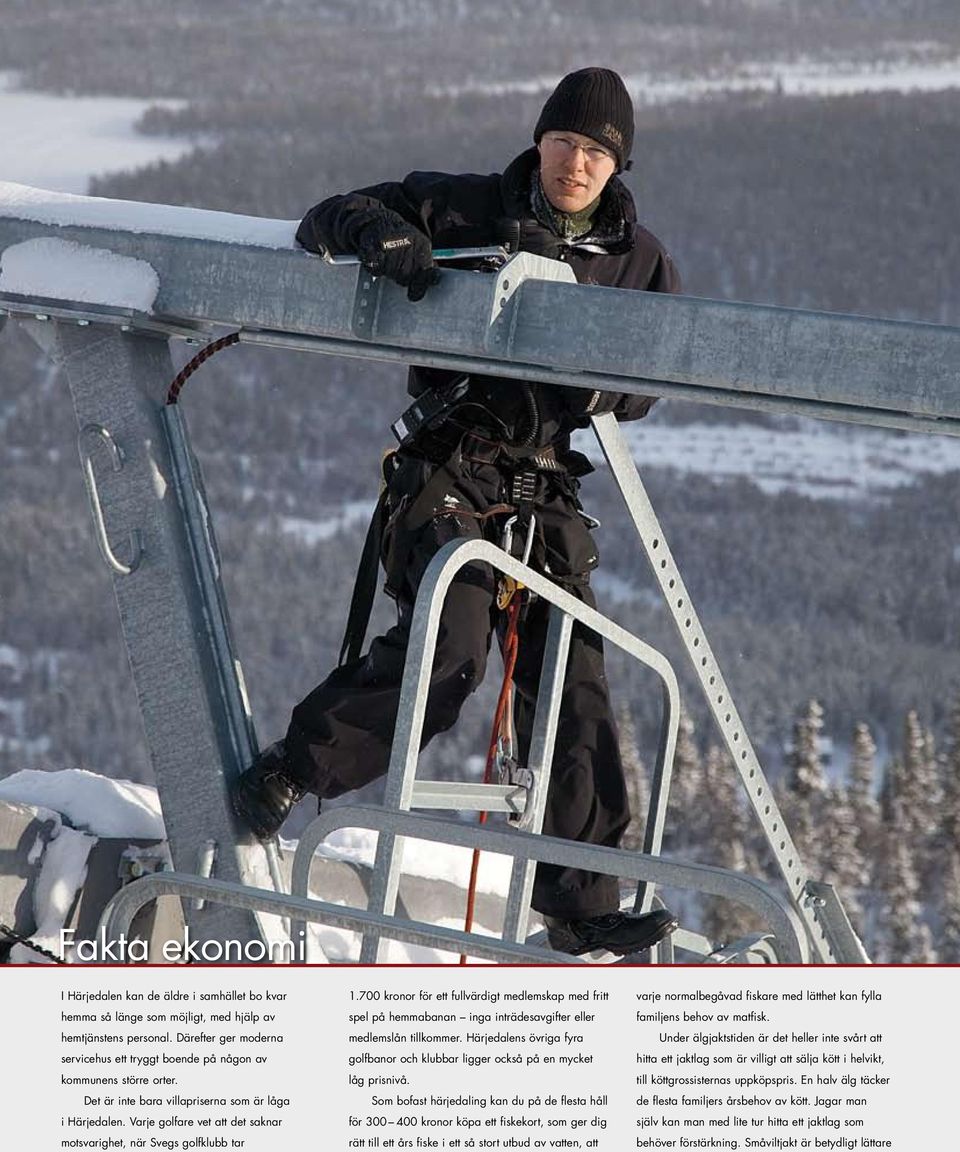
566 225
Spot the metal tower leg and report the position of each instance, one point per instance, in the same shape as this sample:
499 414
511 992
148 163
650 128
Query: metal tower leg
174 634
711 680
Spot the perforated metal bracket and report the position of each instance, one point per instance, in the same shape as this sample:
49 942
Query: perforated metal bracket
830 940
366 304
504 307
835 932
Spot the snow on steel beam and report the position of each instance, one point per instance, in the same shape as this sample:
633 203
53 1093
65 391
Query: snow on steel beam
214 268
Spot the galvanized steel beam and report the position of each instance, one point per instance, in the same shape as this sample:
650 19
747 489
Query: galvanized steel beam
522 321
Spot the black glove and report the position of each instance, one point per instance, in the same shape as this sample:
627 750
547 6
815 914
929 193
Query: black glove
388 246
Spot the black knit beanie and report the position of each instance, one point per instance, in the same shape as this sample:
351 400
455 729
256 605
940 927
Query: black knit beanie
593 102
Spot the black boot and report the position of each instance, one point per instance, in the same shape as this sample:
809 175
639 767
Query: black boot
265 795
621 933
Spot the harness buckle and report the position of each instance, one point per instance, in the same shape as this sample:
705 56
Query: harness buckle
523 488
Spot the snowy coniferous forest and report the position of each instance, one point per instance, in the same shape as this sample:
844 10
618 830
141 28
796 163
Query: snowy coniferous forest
780 161
885 834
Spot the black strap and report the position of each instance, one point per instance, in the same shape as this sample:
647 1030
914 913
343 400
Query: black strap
422 510
365 586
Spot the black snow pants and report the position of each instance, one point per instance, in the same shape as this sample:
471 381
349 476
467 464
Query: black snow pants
340 735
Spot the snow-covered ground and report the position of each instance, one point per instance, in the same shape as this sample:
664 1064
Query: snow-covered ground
822 460
85 806
59 142
311 532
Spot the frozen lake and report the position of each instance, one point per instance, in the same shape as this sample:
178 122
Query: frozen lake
924 68
59 142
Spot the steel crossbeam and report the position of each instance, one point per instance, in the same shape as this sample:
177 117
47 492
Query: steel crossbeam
520 321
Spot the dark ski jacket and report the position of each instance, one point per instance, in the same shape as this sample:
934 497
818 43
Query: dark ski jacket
461 211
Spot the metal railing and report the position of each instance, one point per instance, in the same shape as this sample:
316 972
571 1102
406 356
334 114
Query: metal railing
787 934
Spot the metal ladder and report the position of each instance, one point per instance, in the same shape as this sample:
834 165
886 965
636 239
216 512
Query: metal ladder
404 791
786 941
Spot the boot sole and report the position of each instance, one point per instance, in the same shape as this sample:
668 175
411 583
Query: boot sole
655 937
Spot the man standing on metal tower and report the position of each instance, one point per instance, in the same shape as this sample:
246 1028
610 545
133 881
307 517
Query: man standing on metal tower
489 449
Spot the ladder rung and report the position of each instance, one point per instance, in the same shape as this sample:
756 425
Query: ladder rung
468 797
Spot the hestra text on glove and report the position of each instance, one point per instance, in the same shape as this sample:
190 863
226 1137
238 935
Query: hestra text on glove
388 246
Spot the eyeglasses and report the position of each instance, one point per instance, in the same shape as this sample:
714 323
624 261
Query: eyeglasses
592 153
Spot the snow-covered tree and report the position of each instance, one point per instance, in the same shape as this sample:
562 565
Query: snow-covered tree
948 941
803 798
948 830
806 777
944 864
861 791
891 788
897 932
842 863
919 783
729 822
725 844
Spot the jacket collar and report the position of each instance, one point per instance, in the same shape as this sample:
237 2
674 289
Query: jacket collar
613 223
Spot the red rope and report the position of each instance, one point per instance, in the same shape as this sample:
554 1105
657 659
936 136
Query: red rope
191 366
510 648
